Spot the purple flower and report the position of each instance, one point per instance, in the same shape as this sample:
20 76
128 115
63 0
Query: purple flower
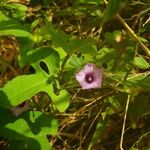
90 76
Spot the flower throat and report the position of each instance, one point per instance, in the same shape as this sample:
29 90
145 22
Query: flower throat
89 77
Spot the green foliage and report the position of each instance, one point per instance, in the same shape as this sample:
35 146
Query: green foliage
12 27
32 84
69 43
37 143
96 2
55 39
3 17
44 54
29 129
139 107
17 10
114 7
141 63
138 82
98 131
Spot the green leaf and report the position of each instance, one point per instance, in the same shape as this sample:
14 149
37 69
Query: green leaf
133 148
100 128
61 52
138 82
44 143
13 24
18 10
75 62
113 7
26 45
61 100
141 63
22 88
68 43
29 128
106 56
96 2
83 46
15 32
126 61
140 107
110 37
37 143
143 40
28 85
47 55
28 124
11 27
3 17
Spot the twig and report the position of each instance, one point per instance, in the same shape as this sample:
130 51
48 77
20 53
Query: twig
92 124
146 21
69 135
124 122
144 135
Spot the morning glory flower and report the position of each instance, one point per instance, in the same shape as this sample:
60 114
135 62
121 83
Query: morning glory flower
90 76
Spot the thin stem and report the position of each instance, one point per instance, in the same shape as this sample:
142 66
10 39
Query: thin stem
63 65
65 61
144 135
124 122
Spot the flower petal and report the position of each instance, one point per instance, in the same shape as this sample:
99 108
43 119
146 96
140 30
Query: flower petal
80 76
89 68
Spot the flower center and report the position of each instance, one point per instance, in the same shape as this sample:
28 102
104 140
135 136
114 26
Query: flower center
89 77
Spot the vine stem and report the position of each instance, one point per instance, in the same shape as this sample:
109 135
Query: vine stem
63 64
131 32
124 122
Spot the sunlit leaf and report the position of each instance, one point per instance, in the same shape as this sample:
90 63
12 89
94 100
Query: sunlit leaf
19 10
60 100
3 17
12 27
47 55
25 87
